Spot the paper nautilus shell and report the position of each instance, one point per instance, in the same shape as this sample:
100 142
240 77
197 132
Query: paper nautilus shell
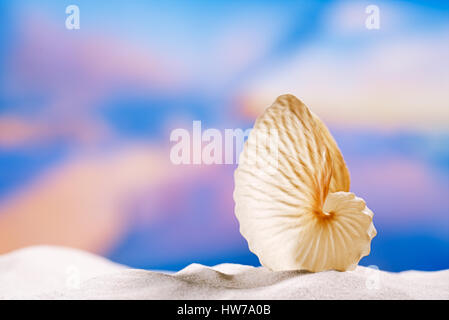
292 195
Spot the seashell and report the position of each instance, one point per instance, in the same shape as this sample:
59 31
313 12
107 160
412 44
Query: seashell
292 196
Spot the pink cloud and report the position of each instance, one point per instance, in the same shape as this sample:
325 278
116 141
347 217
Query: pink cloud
20 131
73 72
404 190
388 83
67 62
82 203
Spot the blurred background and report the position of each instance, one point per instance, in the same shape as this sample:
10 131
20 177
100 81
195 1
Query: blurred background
86 116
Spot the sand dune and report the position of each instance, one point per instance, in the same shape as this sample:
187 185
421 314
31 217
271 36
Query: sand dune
62 273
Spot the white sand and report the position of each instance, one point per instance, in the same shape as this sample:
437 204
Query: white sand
62 273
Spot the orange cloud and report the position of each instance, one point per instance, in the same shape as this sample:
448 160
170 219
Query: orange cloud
395 83
18 131
83 202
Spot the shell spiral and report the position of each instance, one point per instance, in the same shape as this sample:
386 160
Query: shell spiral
292 195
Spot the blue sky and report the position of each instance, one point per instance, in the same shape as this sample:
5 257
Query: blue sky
136 70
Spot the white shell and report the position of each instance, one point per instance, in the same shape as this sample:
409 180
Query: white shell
292 195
